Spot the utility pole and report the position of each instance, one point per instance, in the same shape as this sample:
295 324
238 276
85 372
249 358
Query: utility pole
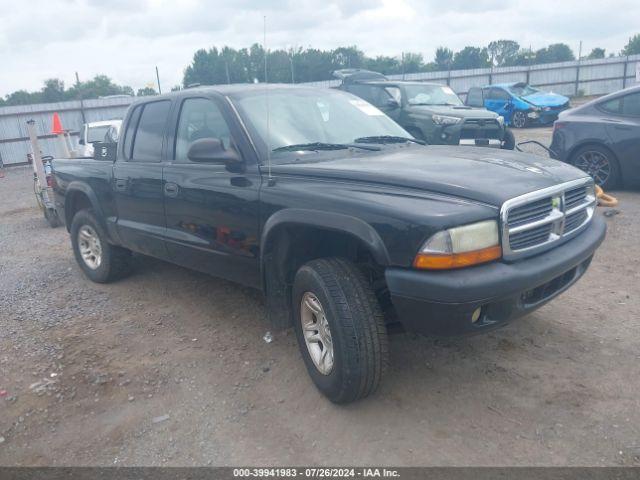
291 62
84 120
226 68
158 79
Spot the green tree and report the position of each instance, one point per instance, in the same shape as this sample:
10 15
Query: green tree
146 91
444 58
22 97
54 91
596 53
471 57
557 52
503 52
383 64
633 46
413 62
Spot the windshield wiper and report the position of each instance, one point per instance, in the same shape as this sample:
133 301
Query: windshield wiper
382 139
313 146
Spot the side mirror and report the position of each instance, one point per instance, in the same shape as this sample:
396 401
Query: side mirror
392 103
211 150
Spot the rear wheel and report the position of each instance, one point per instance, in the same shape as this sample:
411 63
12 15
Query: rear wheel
519 119
600 163
99 260
340 329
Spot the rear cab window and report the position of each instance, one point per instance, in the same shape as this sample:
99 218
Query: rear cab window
144 135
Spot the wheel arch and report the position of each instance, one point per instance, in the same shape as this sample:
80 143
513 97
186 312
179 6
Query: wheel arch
292 237
77 197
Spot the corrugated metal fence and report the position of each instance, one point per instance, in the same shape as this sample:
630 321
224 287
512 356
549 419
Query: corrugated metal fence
577 78
14 139
583 78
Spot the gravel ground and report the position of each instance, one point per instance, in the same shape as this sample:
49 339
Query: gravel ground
169 367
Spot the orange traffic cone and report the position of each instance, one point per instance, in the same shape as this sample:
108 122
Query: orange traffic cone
57 125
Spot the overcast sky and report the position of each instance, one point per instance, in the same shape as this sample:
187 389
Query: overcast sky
126 39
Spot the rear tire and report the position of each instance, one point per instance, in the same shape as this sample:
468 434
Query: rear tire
98 259
509 140
356 338
600 163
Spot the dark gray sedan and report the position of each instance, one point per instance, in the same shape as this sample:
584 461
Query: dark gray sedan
602 138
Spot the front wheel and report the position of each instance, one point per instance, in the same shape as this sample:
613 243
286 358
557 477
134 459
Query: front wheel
519 119
340 329
99 260
509 140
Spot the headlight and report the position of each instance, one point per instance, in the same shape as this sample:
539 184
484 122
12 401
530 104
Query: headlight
460 247
445 120
500 120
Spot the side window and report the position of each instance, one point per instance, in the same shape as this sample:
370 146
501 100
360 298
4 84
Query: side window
474 97
199 118
394 92
147 143
612 106
631 104
132 124
366 92
499 94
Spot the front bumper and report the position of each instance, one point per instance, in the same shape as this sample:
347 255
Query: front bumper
442 303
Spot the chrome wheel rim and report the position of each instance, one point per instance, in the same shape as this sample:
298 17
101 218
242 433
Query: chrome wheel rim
90 247
595 164
316 332
519 119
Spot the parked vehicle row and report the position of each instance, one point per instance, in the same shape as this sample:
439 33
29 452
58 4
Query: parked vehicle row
344 220
431 112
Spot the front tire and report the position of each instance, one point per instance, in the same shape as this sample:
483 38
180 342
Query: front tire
509 140
519 119
98 259
340 329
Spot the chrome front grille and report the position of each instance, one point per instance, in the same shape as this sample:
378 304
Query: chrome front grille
540 220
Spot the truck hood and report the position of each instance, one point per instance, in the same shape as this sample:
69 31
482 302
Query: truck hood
546 99
461 111
480 174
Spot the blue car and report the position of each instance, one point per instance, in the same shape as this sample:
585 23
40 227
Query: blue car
520 104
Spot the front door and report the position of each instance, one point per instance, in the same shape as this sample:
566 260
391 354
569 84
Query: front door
499 101
212 213
137 180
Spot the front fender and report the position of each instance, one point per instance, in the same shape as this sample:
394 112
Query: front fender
329 220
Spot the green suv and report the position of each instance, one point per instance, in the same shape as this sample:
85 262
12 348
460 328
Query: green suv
429 111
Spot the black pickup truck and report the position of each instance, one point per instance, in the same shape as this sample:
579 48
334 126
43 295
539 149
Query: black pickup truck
346 222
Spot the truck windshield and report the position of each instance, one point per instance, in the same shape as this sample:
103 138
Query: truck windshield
431 95
313 117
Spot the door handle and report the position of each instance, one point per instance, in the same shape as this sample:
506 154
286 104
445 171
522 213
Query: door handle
171 189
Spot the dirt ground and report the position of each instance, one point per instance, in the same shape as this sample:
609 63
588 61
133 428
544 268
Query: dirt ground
169 367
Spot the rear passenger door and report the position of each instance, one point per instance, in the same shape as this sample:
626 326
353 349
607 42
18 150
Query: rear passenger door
137 180
623 127
212 213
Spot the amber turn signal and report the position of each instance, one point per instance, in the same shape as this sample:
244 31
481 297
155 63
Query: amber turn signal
434 261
